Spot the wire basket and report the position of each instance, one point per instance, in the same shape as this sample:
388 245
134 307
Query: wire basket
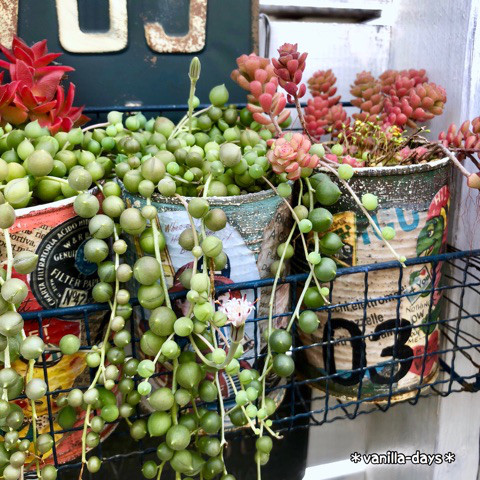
458 355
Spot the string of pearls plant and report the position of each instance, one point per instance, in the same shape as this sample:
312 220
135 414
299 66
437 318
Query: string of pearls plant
213 152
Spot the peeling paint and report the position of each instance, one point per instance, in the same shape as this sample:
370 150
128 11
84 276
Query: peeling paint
193 41
74 40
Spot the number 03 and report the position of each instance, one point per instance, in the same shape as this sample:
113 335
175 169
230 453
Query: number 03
399 350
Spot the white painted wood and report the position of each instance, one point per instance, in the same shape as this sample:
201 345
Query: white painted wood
403 428
465 228
448 46
442 37
341 47
330 3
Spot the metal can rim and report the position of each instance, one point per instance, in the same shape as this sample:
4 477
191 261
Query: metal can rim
231 200
36 209
398 169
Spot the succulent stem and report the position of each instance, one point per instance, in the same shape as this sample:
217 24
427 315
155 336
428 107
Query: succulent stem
302 119
97 125
455 161
276 125
101 367
31 364
158 257
8 246
364 210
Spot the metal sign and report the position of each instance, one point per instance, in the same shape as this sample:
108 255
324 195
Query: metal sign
137 52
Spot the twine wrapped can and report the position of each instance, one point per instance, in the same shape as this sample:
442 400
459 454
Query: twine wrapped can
414 200
62 278
257 224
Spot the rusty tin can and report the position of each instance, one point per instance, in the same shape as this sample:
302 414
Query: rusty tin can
414 200
257 224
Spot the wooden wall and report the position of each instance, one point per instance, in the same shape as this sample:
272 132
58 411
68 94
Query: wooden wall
441 36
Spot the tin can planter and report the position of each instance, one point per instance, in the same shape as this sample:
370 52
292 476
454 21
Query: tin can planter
63 278
414 200
257 224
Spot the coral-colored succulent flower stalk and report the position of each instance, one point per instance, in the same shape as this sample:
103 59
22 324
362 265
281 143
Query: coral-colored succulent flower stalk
256 75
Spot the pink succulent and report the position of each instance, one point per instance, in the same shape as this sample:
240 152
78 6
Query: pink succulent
352 161
255 74
289 154
315 116
322 117
417 104
267 101
403 98
252 67
322 84
404 153
464 138
466 142
412 153
289 68
332 157
337 119
369 97
389 77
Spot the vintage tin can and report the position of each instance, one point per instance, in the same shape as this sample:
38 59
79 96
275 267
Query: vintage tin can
62 278
414 200
257 224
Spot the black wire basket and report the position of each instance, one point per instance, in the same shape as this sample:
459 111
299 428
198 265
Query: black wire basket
303 404
304 399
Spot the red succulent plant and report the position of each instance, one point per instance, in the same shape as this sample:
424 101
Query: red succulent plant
316 112
324 112
402 98
368 97
322 84
34 91
466 143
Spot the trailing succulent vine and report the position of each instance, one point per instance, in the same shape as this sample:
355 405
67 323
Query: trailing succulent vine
213 152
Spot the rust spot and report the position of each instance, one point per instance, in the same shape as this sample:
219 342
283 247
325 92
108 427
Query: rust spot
8 21
193 41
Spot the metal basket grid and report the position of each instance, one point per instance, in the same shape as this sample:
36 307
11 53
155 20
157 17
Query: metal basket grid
302 407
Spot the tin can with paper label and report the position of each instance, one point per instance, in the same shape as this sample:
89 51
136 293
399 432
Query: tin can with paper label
371 336
257 224
62 278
